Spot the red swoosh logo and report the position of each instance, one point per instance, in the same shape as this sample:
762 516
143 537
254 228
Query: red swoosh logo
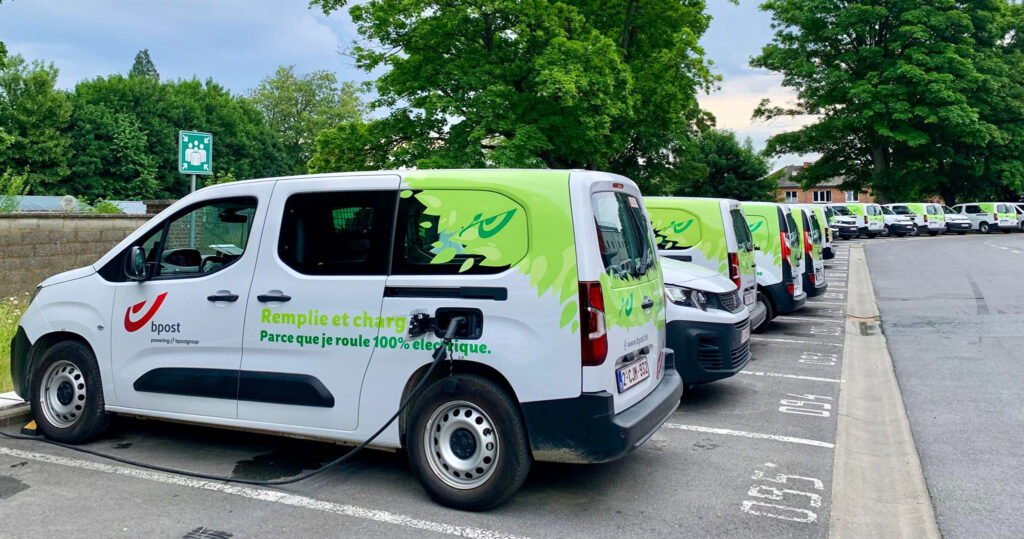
132 325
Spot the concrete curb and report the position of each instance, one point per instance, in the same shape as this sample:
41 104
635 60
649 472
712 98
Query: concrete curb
878 487
18 414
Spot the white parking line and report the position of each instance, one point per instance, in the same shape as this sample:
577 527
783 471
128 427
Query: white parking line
816 302
809 319
756 435
767 339
260 494
794 376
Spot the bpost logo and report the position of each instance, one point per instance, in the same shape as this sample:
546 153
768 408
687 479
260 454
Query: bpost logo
489 226
679 228
134 325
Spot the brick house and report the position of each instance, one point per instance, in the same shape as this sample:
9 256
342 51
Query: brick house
790 191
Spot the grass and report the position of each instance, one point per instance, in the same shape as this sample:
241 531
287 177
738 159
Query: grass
10 312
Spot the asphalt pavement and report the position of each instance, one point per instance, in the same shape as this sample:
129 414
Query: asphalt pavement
748 456
952 309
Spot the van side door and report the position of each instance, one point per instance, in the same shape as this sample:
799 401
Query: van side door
177 337
314 309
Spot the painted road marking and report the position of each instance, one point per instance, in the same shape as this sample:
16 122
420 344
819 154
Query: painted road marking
767 339
816 302
755 435
794 376
265 495
809 319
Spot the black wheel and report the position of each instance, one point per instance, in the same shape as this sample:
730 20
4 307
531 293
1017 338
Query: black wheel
916 231
984 228
886 232
468 444
769 313
67 394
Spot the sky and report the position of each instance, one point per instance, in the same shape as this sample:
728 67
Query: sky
239 42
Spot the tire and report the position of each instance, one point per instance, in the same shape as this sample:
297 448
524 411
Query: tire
984 228
886 232
504 462
67 394
769 313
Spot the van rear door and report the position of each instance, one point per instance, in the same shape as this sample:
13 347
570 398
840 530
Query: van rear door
616 249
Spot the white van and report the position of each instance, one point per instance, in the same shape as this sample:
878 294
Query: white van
989 216
708 326
928 217
311 306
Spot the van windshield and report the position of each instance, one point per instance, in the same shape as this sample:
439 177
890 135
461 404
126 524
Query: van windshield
622 234
887 211
739 225
901 210
841 210
947 209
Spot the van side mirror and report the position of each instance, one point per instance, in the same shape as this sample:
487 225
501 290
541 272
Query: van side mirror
135 264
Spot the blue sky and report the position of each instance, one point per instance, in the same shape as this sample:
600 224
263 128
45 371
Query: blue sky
238 42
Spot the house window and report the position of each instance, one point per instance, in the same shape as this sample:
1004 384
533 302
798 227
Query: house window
851 196
791 197
822 197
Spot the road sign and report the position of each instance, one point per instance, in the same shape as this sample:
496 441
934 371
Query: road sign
195 152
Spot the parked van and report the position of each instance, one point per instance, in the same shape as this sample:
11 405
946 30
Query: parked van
869 217
928 217
988 216
897 224
827 253
844 222
777 253
813 267
956 221
713 233
708 325
310 306
1020 215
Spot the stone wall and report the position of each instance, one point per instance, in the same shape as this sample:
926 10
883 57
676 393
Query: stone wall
36 246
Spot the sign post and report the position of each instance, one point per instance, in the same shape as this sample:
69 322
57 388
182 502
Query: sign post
195 156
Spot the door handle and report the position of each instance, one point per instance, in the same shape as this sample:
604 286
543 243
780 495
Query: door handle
223 296
264 298
647 304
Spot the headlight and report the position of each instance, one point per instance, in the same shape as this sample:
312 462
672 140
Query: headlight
687 297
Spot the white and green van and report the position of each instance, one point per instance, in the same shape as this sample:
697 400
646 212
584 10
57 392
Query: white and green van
820 213
777 254
713 233
311 306
870 221
956 221
988 216
928 217
813 266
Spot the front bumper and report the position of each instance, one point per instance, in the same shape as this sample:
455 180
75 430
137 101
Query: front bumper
847 231
958 227
902 228
586 429
709 351
783 300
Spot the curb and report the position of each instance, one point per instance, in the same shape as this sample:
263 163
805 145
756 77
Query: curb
18 414
878 486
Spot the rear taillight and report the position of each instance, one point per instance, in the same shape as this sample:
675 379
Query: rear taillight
995 216
810 277
785 246
926 218
865 219
789 288
807 243
734 270
593 336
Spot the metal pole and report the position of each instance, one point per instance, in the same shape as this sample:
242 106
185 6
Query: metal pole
192 219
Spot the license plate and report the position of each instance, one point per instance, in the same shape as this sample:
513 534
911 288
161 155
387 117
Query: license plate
632 374
819 275
748 297
745 335
797 288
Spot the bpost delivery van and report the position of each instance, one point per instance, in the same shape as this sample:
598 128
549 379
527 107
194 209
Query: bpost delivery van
713 233
843 222
897 224
312 305
956 221
869 217
1020 215
708 326
928 217
827 253
988 216
812 265
777 253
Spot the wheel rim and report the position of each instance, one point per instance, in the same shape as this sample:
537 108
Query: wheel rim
62 394
461 445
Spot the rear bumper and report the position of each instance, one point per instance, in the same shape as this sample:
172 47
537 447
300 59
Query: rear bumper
757 315
784 301
814 289
709 351
586 429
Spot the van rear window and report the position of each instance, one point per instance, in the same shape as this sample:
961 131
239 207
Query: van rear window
623 235
792 232
739 226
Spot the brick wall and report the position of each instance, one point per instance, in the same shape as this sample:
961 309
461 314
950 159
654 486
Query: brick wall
36 246
807 197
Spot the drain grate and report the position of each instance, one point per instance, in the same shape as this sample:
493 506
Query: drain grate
203 532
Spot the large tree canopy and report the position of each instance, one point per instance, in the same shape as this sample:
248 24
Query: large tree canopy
571 83
899 88
720 166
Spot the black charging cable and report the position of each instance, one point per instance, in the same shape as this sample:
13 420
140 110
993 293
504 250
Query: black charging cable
440 353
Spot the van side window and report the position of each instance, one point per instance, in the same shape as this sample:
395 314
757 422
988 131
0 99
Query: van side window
201 241
458 231
675 229
337 232
972 209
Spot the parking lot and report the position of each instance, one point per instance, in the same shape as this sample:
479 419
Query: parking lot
748 455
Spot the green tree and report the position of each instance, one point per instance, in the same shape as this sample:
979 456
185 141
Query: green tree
33 116
720 166
299 107
143 66
891 83
572 83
